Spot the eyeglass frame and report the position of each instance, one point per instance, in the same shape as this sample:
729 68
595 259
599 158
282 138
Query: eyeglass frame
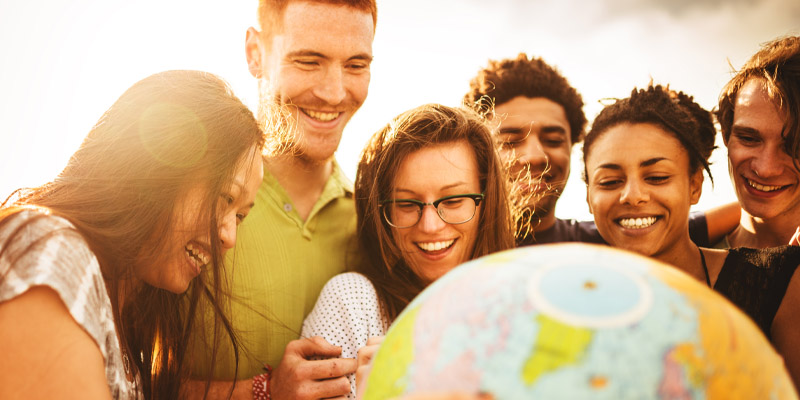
476 197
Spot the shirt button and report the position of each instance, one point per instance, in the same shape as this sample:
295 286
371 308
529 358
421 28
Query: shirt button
287 207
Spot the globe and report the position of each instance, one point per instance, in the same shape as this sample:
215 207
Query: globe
575 321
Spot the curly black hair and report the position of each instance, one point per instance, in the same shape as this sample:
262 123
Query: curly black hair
504 80
675 112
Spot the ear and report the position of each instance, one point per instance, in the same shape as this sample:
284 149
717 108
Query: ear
252 48
696 186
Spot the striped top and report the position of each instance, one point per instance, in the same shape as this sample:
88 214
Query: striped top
59 258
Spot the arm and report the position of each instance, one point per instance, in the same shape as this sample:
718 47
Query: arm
785 327
722 220
296 377
53 357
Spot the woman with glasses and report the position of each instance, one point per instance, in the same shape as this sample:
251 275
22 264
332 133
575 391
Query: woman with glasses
430 194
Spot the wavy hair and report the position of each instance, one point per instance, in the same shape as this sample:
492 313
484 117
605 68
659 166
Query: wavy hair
777 65
427 125
165 133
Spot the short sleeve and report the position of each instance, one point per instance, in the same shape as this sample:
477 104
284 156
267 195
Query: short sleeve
346 314
49 251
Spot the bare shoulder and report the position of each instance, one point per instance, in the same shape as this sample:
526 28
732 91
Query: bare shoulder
52 356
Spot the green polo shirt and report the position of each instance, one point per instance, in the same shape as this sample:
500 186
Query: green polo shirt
277 269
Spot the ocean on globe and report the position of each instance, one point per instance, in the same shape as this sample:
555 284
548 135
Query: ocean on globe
575 321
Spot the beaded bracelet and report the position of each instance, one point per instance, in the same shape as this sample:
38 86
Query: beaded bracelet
261 385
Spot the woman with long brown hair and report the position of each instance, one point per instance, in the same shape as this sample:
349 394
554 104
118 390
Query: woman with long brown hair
430 194
94 265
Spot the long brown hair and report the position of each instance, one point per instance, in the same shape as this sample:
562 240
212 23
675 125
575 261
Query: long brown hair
119 189
430 124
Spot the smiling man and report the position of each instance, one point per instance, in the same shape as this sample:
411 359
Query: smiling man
538 117
312 61
759 113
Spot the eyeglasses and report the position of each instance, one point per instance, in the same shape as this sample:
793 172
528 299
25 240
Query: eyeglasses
456 209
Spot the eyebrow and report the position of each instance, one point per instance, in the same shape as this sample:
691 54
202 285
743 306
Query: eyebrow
450 186
518 130
312 53
645 163
744 128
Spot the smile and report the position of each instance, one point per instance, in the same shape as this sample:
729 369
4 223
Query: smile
435 246
198 256
763 188
321 116
637 223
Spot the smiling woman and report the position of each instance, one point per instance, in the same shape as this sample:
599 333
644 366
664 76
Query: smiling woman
102 254
430 194
644 160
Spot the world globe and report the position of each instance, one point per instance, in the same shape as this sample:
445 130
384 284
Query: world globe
575 321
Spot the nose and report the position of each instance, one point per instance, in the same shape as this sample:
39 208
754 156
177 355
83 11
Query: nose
227 231
634 193
770 163
331 88
430 220
532 153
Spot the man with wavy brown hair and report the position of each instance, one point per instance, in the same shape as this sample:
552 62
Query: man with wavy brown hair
759 115
312 62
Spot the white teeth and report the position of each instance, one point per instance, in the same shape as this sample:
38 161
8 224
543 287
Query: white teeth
637 223
198 257
322 116
762 187
435 246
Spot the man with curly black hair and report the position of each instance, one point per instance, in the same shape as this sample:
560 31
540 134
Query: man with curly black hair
538 117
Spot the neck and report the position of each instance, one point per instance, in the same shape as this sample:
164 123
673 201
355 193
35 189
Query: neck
543 222
760 233
685 256
303 179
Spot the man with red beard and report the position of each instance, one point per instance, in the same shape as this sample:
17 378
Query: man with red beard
312 61
538 117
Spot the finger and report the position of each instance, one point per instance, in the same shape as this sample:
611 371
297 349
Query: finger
329 388
362 373
379 339
365 354
331 368
313 347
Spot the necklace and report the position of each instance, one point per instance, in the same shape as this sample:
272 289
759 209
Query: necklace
126 364
705 268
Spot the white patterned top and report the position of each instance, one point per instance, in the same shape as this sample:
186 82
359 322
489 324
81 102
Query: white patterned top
59 257
347 313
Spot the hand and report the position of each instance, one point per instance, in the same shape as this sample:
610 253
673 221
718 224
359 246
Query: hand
795 240
364 357
297 377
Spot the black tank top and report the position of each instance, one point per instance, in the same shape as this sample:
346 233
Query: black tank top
756 280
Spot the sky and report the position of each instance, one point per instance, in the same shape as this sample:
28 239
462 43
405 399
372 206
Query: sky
63 63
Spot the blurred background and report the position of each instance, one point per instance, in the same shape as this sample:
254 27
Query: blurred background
62 64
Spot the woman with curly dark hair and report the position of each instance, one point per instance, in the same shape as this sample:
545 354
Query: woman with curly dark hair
644 157
95 265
